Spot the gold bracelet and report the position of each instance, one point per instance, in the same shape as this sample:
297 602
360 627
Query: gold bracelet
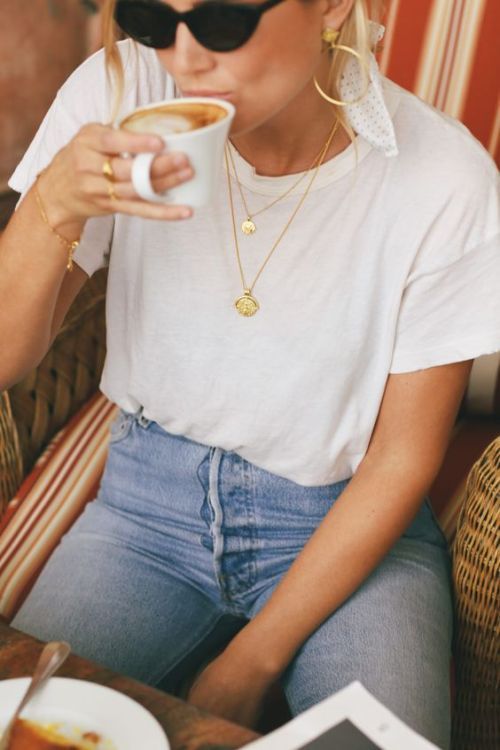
70 246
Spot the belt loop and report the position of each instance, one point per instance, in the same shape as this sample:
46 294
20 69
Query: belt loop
141 419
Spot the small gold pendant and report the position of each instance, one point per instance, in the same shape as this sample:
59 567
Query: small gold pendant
247 305
248 227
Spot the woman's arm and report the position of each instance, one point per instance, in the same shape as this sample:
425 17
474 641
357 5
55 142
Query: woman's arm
35 290
406 450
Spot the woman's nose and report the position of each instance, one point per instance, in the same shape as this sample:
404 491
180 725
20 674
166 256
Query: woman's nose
189 55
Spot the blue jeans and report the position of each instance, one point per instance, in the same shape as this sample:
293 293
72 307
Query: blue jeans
185 543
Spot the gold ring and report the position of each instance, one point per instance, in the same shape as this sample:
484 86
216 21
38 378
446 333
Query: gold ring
107 171
111 191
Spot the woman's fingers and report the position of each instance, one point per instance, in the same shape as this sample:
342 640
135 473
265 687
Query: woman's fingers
79 186
107 140
94 184
98 145
120 197
126 190
167 171
146 210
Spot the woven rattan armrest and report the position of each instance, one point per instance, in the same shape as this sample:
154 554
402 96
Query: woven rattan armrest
476 578
32 411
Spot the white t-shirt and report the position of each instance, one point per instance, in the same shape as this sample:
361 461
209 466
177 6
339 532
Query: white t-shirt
390 266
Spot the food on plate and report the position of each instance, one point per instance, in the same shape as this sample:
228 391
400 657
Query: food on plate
27 735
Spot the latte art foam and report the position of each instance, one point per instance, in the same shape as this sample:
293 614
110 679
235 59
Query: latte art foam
172 118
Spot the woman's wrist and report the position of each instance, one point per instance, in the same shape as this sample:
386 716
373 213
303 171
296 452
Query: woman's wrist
70 245
58 217
260 653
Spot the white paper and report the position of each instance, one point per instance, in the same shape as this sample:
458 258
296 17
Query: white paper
355 706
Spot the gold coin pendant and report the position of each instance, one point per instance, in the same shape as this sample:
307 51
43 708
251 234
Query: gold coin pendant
246 305
248 227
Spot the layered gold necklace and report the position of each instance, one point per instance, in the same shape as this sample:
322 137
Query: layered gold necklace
248 226
247 304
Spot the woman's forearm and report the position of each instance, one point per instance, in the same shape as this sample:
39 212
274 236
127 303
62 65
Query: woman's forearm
32 268
35 290
359 530
407 447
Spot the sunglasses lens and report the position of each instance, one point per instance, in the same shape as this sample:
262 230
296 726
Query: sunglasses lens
217 26
151 25
222 27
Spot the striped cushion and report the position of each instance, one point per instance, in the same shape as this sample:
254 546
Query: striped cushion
62 481
446 51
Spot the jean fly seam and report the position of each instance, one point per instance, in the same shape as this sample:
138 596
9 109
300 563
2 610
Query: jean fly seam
247 543
216 526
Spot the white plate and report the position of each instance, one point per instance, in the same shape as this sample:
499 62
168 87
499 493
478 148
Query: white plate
87 707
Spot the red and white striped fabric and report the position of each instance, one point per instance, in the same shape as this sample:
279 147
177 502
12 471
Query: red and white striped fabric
50 499
447 52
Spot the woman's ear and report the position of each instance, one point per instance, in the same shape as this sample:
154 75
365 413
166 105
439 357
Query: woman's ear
336 12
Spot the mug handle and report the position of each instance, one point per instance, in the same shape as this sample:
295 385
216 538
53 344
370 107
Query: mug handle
141 178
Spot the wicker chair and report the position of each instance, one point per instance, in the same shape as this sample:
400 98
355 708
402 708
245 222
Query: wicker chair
476 576
35 409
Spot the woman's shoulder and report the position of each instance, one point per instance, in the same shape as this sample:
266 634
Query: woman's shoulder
442 174
441 190
435 146
89 90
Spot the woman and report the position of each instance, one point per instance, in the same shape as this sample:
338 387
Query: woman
265 483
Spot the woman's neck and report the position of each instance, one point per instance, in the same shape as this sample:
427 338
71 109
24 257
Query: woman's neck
291 141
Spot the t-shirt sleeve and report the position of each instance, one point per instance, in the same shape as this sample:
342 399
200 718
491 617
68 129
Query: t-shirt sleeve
450 307
57 129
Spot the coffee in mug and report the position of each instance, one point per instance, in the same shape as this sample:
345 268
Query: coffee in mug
197 127
177 117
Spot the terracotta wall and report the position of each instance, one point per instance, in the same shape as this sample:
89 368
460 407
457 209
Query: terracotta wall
447 52
41 42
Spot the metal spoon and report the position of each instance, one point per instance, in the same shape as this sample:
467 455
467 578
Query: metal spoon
50 660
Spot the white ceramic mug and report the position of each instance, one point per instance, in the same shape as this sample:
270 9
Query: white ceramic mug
204 147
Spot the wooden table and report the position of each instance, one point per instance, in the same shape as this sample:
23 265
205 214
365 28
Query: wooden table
187 728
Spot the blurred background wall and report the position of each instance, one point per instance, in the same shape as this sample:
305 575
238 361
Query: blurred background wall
41 42
446 51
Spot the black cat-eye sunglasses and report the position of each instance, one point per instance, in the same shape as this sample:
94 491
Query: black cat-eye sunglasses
218 26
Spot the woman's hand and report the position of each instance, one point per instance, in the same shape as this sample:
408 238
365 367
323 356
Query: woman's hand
74 187
229 687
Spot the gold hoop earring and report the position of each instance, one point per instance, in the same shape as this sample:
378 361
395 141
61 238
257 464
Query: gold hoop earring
330 36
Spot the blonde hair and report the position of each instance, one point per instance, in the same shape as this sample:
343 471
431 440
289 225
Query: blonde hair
355 32
114 66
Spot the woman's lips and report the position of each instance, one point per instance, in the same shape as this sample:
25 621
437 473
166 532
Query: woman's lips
210 94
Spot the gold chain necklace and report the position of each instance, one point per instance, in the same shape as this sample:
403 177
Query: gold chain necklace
247 305
248 226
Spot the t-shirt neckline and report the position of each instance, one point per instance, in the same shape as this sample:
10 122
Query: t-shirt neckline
334 169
